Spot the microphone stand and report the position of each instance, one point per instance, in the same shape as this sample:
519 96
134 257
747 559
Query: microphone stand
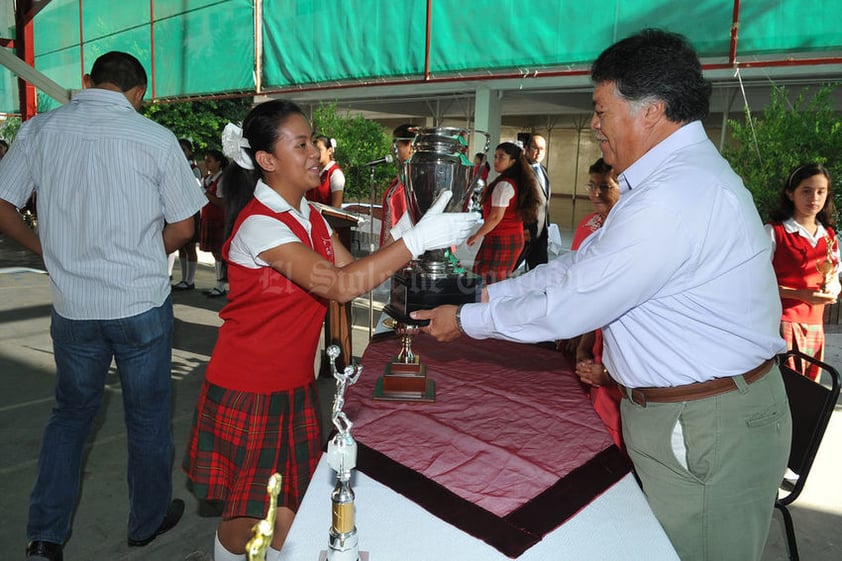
371 248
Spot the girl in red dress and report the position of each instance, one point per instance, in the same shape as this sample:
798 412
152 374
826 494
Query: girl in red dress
257 411
507 203
806 260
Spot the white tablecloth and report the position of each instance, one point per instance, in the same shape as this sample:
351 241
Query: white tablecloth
618 525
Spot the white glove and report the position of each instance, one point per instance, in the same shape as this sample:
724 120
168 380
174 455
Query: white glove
438 229
402 226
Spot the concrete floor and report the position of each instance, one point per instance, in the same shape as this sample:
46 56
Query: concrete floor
99 525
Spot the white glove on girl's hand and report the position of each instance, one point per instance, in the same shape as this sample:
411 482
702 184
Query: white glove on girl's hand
402 226
438 229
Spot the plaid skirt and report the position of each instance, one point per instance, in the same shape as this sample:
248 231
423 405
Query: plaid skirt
239 439
497 256
807 338
212 235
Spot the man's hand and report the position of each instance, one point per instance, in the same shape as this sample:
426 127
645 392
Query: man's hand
442 325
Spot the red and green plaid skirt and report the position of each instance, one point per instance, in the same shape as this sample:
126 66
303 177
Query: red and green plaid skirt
239 439
497 257
212 234
807 338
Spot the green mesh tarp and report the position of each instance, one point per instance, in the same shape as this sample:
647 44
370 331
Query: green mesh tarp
207 47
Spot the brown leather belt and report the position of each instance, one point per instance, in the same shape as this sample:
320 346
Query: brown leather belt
698 390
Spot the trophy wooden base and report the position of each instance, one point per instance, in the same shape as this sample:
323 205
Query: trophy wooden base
405 382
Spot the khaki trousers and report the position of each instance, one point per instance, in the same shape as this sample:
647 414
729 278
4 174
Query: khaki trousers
711 468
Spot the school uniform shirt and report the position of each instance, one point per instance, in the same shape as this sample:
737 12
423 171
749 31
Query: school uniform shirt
796 255
271 328
680 276
332 180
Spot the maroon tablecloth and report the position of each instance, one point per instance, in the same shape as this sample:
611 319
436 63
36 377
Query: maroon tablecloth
510 449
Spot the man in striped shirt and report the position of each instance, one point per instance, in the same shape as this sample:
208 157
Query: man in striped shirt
115 195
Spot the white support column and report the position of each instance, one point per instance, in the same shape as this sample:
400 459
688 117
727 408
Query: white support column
487 118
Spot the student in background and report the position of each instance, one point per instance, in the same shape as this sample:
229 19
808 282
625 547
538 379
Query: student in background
331 186
806 260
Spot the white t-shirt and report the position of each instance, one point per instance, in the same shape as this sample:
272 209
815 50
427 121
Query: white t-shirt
259 233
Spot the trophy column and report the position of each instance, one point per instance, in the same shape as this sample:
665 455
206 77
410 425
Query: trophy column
343 542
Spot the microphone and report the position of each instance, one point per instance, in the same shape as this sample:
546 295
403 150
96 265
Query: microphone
387 159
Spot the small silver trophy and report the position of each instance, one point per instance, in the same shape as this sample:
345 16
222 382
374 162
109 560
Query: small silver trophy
343 544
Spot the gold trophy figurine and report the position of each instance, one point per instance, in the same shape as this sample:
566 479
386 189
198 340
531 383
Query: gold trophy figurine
829 266
264 530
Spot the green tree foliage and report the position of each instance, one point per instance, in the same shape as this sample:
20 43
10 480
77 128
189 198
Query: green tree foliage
786 135
201 122
10 128
357 141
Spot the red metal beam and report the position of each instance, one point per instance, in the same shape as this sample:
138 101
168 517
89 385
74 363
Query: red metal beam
735 28
427 40
25 49
81 43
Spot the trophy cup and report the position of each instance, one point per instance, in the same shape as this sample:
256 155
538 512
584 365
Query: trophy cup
343 544
829 266
439 163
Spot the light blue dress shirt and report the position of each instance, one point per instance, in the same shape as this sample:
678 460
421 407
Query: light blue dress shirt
107 179
679 276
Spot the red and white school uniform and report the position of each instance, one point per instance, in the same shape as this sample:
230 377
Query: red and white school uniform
796 257
212 233
501 247
332 179
257 412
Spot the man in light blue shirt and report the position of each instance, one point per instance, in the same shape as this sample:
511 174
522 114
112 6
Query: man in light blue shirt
115 195
680 280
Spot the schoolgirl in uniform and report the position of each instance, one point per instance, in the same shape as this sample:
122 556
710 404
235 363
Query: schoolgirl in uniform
257 409
805 254
331 188
507 203
213 218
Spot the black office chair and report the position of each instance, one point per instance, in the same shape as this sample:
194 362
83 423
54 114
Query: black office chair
811 405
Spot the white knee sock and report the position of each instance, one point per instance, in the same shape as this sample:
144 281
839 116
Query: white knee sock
220 284
182 262
191 271
222 554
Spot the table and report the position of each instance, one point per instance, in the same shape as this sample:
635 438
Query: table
510 462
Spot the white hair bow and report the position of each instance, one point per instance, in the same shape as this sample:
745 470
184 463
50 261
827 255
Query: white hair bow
234 146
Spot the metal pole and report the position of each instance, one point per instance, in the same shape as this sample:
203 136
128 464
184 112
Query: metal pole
371 247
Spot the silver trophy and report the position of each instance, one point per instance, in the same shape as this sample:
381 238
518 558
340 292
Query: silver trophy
439 163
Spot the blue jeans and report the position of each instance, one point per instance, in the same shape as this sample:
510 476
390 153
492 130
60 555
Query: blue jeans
142 348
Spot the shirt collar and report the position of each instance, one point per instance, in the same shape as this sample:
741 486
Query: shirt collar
100 95
277 203
791 226
651 161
